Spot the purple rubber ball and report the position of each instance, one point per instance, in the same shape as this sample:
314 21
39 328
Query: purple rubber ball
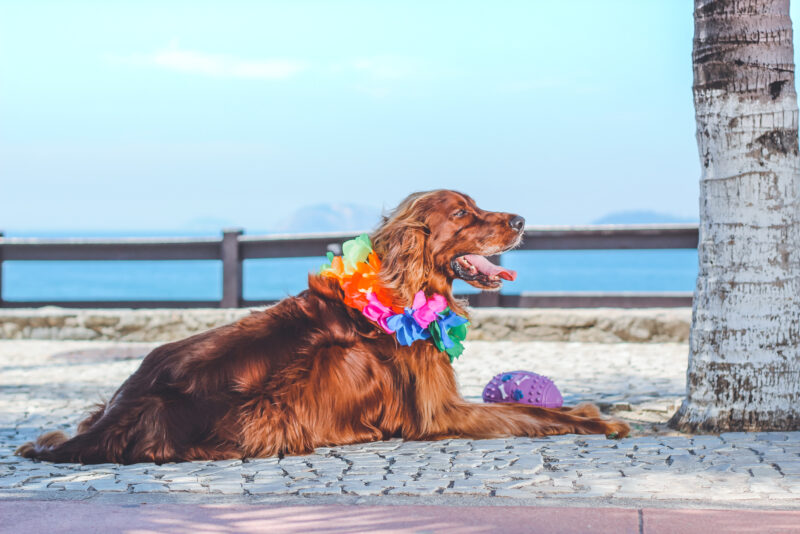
523 387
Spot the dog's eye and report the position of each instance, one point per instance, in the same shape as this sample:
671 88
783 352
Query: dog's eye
460 213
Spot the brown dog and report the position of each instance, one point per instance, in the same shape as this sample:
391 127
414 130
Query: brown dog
312 371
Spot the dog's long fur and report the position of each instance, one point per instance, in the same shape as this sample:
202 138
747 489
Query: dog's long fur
311 371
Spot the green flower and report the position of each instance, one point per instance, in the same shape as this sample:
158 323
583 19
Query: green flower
355 251
326 266
447 333
457 334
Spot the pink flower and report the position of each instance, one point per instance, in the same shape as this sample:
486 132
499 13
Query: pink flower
376 311
425 310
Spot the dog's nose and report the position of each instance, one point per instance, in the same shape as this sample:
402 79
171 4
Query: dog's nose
517 223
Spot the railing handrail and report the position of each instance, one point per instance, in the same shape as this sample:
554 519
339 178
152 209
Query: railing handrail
20 248
233 248
548 228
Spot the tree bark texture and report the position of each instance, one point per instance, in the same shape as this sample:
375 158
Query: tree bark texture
744 364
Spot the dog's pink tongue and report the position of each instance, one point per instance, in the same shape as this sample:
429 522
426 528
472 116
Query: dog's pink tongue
490 269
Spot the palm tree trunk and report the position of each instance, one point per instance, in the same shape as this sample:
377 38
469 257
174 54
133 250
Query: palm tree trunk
744 364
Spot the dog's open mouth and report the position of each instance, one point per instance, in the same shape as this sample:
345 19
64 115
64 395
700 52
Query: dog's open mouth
480 272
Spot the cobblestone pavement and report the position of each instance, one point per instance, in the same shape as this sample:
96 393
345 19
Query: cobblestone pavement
49 385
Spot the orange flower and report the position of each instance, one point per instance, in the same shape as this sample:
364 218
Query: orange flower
358 284
336 269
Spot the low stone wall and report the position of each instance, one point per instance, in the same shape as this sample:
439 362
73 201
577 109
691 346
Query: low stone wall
603 325
595 325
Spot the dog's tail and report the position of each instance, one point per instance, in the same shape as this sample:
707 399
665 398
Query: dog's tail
44 448
57 447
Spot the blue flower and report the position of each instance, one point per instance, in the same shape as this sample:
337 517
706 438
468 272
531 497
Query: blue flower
406 328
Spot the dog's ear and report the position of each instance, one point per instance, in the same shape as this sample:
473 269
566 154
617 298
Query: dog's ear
406 260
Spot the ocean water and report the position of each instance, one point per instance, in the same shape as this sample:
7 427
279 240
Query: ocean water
603 270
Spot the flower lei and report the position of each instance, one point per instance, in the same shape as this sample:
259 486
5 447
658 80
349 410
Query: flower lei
357 269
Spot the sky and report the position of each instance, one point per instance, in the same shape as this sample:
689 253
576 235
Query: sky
177 116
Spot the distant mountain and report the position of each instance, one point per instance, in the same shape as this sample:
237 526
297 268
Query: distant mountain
641 217
331 218
209 225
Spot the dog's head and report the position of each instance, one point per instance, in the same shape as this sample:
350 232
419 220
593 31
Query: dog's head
434 237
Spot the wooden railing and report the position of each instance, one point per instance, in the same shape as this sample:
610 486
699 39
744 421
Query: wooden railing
234 247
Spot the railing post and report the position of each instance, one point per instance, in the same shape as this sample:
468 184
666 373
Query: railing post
1 272
231 268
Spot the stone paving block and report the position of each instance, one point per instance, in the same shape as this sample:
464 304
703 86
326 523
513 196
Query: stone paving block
225 487
265 475
467 484
13 481
598 490
211 471
409 470
417 488
180 479
277 488
488 476
109 484
85 477
396 479
64 478
293 462
790 468
231 475
706 441
782 496
765 471
489 444
738 436
514 493
357 488
565 481
136 468
600 475
468 490
766 486
326 481
37 484
364 474
603 454
149 487
107 467
326 464
521 482
529 464
676 442
682 461
321 490
194 487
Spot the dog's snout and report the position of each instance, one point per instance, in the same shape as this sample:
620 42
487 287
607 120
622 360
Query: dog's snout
517 223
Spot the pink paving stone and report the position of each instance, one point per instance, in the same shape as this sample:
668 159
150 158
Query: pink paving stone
662 521
28 517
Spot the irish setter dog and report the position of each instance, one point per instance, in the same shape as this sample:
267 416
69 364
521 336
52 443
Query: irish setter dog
312 371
